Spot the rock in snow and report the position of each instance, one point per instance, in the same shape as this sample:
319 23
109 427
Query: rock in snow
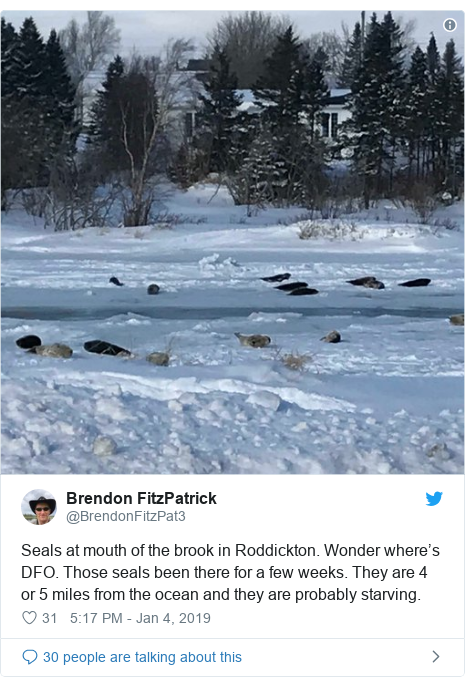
160 359
104 446
266 399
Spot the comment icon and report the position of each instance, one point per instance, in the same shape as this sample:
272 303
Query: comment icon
30 656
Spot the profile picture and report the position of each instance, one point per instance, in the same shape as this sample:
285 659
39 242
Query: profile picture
38 507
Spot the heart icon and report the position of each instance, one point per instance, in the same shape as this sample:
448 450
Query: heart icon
29 617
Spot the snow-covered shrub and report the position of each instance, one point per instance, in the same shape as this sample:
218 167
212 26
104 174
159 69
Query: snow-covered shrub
295 219
331 207
329 229
168 220
296 361
422 200
446 223
34 201
447 199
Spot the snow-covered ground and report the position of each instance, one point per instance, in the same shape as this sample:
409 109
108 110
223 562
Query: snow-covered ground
387 399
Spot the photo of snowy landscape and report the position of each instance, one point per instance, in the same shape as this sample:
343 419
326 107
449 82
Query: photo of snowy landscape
232 257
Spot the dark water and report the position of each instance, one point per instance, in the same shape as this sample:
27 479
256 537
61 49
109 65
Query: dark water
53 313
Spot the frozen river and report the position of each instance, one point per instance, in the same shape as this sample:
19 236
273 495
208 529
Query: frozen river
387 399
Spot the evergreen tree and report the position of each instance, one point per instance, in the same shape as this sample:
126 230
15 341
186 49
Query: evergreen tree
217 118
24 107
60 126
10 122
292 94
433 109
376 105
32 56
105 121
315 91
449 87
433 59
280 94
415 122
254 182
310 148
10 66
59 89
279 91
104 108
352 59
391 103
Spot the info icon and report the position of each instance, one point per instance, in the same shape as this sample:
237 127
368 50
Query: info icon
450 25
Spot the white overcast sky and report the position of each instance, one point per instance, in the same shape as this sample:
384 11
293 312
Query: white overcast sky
148 31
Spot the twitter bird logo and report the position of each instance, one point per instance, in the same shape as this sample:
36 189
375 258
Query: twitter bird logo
433 499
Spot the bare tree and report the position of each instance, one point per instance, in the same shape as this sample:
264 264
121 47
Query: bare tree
88 48
174 86
248 39
140 125
127 158
333 46
409 41
149 94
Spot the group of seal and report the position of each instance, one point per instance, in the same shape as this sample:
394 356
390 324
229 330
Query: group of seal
301 287
258 340
294 288
104 348
372 282
33 344
152 289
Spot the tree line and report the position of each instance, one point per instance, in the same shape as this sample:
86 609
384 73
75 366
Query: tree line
405 128
38 102
406 124
404 135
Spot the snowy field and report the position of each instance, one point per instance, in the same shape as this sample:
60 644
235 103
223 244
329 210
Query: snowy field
387 399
